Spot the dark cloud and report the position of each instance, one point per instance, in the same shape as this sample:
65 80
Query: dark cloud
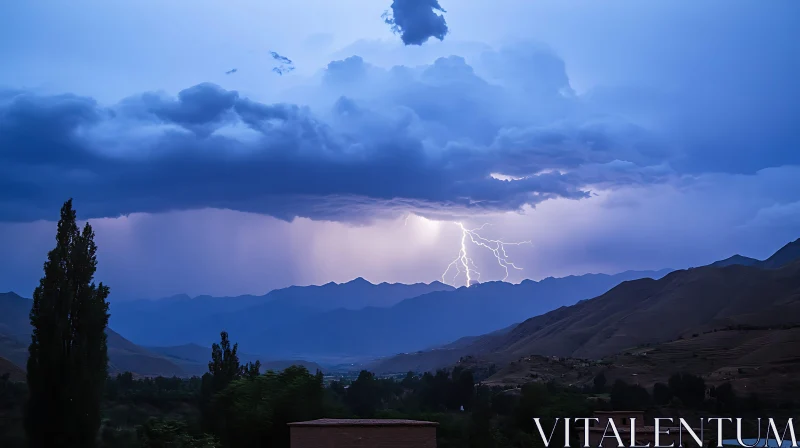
438 139
282 70
285 65
280 59
416 21
351 70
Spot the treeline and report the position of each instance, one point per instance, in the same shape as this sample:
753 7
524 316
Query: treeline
234 405
682 391
246 409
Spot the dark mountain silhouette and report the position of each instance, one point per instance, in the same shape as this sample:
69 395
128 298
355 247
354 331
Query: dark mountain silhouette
428 320
12 370
645 311
736 260
180 320
784 255
15 334
652 311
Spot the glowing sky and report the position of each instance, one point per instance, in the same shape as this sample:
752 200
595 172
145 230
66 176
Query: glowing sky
631 135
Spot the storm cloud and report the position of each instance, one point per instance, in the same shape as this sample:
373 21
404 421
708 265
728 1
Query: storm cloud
685 143
440 140
416 21
436 140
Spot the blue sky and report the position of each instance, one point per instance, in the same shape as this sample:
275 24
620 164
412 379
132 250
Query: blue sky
613 136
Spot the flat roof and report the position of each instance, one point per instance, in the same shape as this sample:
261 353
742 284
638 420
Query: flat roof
363 422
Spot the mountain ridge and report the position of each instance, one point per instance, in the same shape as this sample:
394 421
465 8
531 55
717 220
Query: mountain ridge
429 319
787 253
124 355
682 302
189 321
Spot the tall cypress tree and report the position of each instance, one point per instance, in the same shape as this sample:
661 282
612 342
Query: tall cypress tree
68 362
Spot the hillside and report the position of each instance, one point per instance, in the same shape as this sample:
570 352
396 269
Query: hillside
429 320
12 370
758 359
785 255
179 320
193 359
645 311
681 303
123 354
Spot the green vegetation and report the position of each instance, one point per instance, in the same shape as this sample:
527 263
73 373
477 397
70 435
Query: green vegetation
253 409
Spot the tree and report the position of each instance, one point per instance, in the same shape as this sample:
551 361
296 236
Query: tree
534 397
600 383
434 390
462 390
363 395
223 369
628 397
255 412
725 397
224 366
251 369
68 362
410 381
661 394
690 389
157 433
481 431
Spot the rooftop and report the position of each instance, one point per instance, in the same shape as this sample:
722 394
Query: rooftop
362 422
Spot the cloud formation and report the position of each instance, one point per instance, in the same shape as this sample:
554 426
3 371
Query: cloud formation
416 21
694 134
285 65
440 140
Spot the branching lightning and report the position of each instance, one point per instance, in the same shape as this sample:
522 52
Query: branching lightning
466 265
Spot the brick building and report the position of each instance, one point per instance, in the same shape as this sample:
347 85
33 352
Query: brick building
357 433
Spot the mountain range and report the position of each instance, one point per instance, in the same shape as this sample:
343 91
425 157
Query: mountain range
180 319
734 292
124 355
330 322
434 325
432 319
354 319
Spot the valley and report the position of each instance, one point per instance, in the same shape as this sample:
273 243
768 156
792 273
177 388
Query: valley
433 326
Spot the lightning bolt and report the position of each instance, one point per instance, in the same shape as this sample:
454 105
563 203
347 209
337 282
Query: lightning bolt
464 264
